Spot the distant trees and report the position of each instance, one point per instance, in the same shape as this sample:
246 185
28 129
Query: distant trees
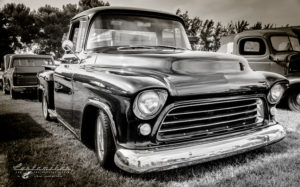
209 33
6 40
41 30
87 4
19 22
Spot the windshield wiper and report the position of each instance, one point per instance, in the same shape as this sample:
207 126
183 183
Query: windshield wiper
134 47
167 47
149 47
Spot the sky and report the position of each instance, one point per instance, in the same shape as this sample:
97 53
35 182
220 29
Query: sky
277 12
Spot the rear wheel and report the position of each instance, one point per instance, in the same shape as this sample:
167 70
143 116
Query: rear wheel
45 108
4 88
294 101
104 143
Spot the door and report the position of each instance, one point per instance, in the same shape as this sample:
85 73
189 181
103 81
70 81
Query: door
63 92
63 76
255 50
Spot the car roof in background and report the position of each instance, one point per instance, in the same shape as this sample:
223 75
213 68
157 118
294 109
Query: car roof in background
261 33
30 56
266 32
91 12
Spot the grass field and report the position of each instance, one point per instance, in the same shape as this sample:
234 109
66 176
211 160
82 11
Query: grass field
27 139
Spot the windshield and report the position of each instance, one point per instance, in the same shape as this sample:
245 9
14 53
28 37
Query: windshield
31 62
285 43
127 30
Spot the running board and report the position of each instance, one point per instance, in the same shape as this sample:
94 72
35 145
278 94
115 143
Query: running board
52 113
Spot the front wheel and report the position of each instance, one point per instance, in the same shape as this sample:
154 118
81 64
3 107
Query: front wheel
294 101
4 89
104 143
45 108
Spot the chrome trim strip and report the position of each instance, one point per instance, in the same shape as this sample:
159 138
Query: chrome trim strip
69 127
35 86
142 161
197 112
211 101
206 125
206 118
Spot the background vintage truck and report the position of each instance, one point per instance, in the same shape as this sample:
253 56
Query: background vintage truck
274 50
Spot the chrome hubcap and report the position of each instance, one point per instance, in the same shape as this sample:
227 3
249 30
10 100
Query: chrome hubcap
298 99
100 141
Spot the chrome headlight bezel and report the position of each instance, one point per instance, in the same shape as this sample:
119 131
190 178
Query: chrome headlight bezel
159 96
276 92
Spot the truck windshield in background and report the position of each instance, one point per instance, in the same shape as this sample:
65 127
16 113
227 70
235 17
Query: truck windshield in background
129 30
285 43
31 62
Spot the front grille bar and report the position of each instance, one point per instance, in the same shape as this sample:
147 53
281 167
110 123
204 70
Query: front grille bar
206 125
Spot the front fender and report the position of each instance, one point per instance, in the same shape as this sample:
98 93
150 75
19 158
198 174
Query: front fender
273 78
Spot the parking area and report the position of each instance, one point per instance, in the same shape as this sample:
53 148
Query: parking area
35 152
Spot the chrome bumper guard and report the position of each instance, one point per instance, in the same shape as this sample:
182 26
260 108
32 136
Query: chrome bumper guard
142 161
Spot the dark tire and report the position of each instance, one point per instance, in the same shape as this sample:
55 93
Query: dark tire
294 101
46 114
4 89
13 94
104 143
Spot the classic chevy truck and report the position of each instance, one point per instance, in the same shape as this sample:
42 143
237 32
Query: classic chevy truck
136 93
274 50
21 71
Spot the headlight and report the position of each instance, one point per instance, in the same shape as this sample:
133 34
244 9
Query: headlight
148 103
276 93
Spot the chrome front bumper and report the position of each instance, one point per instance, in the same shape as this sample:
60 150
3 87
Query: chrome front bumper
24 88
142 161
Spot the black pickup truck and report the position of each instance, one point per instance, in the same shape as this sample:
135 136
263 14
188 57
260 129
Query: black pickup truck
133 91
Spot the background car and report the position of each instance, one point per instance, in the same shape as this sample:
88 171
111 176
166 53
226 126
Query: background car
273 50
21 72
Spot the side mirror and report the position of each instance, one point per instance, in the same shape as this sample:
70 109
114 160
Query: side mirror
68 45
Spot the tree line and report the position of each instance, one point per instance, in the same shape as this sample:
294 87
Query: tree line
42 30
207 33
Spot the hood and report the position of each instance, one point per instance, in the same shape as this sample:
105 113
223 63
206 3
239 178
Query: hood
182 73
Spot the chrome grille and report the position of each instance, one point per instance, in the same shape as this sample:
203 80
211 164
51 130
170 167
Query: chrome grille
25 79
211 119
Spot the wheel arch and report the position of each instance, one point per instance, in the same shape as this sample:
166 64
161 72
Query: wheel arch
89 115
292 87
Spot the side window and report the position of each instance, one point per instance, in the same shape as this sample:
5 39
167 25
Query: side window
77 34
226 48
252 46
